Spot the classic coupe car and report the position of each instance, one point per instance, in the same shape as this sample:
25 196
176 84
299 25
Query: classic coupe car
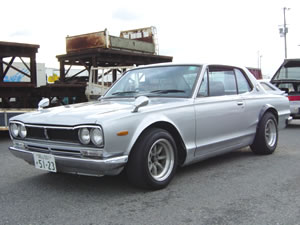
152 120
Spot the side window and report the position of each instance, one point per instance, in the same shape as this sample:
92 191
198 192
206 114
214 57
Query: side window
243 85
203 91
221 82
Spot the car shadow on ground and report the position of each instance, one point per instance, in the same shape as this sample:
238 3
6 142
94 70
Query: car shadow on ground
219 161
119 184
82 184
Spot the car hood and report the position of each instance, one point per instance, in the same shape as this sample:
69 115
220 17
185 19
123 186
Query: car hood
91 112
73 114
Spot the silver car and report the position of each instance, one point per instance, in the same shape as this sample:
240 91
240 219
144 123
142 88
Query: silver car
152 120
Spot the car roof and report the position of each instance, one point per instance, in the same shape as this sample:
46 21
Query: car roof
188 64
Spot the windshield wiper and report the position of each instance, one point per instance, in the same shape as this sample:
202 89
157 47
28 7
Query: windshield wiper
124 92
168 91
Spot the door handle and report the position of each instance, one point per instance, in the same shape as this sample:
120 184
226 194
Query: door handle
240 103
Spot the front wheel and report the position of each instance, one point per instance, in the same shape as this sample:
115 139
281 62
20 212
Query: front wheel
266 137
153 160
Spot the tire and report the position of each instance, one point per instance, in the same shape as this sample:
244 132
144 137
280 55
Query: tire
153 160
266 137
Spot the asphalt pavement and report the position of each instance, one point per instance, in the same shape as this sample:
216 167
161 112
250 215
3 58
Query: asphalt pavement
235 188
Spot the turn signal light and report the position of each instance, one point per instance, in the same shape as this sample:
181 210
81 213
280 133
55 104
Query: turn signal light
122 133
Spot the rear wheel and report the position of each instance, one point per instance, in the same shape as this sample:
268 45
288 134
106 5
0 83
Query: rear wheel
153 160
266 138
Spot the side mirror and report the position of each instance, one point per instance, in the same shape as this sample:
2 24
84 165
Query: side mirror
140 102
43 103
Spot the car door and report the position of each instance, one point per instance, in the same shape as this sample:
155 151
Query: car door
219 112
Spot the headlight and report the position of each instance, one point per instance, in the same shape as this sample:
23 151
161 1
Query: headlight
84 136
97 136
14 129
22 131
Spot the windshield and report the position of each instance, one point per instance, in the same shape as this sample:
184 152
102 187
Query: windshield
164 81
288 73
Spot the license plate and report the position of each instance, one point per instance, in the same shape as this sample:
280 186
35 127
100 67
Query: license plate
44 162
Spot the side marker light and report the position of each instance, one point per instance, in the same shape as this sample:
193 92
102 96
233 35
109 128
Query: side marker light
122 133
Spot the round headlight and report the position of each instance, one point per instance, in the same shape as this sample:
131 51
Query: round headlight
84 136
22 131
97 136
14 129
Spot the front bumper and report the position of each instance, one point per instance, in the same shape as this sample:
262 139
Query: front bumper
82 166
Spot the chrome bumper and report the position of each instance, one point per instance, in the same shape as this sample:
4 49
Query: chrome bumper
83 166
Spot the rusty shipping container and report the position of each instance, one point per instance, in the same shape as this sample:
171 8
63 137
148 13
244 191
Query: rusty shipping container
102 39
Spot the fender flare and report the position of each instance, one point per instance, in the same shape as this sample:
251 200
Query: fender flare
148 122
266 108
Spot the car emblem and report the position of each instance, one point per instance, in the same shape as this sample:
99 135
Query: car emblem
46 134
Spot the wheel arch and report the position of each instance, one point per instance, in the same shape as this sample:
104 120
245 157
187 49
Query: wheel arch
268 108
181 149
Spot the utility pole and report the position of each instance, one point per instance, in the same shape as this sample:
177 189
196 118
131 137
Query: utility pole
259 56
283 31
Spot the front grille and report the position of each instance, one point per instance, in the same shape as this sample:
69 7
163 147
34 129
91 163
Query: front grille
52 134
36 133
56 140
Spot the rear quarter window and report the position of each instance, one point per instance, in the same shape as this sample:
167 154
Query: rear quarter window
242 82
